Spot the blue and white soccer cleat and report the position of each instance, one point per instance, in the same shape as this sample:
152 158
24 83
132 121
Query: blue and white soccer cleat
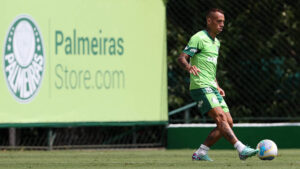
247 152
201 157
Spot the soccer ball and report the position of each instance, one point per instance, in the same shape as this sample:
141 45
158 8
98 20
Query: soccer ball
267 150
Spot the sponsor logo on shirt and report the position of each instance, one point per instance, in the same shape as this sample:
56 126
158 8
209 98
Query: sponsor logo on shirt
212 59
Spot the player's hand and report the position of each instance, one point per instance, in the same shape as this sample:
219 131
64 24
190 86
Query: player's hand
221 91
194 70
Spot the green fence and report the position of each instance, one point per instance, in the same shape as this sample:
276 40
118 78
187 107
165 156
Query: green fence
131 136
258 69
285 135
259 58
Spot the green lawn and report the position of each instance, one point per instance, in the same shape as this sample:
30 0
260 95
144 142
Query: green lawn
140 159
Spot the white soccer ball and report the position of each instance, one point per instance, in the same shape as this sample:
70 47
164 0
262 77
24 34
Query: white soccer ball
267 150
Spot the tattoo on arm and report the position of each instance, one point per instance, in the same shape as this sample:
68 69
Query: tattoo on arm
183 61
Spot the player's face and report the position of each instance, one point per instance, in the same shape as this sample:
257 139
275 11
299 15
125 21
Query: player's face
216 22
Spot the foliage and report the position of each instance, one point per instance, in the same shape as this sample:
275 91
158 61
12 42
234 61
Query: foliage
259 58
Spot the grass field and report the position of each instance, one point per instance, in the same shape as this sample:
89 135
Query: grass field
140 159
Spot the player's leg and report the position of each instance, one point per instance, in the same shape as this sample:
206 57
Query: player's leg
207 100
212 138
244 151
223 126
215 134
210 100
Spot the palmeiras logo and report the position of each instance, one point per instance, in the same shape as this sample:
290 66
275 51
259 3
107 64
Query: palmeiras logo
23 58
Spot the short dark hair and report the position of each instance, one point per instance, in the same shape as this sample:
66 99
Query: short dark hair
212 10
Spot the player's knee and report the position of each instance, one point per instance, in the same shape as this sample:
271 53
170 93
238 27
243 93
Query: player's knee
230 123
229 119
220 118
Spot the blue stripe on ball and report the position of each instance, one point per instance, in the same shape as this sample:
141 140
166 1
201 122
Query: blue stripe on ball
262 150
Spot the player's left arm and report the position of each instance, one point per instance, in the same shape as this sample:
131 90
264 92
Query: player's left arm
220 90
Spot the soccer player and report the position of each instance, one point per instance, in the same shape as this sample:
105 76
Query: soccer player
202 51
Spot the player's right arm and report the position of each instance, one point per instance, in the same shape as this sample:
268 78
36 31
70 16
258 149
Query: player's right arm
194 46
183 62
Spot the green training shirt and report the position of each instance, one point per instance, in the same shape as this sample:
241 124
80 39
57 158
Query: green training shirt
204 51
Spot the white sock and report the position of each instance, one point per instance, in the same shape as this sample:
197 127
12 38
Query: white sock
202 150
239 146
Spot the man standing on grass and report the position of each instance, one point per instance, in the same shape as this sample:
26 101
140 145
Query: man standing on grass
203 51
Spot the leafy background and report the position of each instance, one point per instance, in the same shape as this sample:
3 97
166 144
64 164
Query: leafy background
259 58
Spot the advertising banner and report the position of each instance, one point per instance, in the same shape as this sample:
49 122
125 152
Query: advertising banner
81 61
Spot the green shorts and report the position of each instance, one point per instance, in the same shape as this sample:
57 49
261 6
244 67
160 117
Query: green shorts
208 98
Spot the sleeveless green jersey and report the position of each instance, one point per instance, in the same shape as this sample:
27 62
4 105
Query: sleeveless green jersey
204 51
